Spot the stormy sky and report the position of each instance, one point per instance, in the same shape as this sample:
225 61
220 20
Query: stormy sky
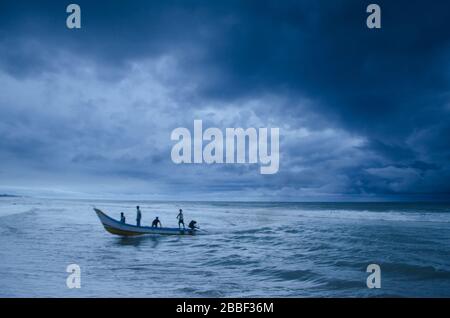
363 114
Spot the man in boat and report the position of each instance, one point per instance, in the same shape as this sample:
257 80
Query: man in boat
180 219
156 222
192 225
138 216
122 217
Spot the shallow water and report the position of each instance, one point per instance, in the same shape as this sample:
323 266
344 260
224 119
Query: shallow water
249 250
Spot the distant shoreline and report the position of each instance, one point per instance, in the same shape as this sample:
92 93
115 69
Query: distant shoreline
306 202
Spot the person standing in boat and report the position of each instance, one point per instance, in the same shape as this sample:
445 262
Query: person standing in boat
180 219
156 222
122 217
138 216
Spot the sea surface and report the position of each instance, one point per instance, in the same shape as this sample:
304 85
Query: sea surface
245 250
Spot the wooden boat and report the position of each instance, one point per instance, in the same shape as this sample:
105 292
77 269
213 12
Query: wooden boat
118 228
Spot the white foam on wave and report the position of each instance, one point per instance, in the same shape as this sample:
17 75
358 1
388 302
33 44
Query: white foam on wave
410 216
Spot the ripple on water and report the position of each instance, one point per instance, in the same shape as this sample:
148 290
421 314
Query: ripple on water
417 272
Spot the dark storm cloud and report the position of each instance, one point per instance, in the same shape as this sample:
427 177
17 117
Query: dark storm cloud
375 103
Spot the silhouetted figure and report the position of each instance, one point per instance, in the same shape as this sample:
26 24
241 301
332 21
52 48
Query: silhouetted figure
138 216
122 217
180 219
192 225
156 222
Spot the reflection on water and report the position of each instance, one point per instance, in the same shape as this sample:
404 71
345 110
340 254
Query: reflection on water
149 240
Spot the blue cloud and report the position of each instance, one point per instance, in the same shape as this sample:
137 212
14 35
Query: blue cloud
363 113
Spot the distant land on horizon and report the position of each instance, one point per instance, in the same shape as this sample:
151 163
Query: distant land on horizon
419 200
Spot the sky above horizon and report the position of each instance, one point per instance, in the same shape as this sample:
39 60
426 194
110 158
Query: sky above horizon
363 114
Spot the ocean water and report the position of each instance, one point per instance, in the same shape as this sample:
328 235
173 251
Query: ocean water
247 250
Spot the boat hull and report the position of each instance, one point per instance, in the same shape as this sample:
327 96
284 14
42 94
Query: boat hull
118 228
